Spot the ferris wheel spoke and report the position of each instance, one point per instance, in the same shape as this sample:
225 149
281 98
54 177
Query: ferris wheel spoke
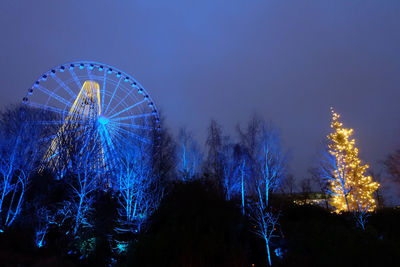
58 134
89 72
95 140
133 126
53 109
110 149
115 90
57 122
82 132
126 109
53 95
73 74
103 90
129 142
131 134
105 152
63 85
78 83
123 99
85 133
134 117
122 139
108 144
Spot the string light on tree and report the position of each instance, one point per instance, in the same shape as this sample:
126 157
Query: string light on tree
350 188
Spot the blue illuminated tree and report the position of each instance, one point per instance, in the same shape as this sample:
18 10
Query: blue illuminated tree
230 169
189 156
82 200
82 178
44 218
243 171
214 143
13 184
163 155
236 173
18 157
270 162
269 167
137 188
227 163
247 156
265 222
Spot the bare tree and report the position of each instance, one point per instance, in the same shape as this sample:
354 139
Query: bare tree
189 156
288 186
265 222
270 161
230 172
392 164
214 144
163 154
138 192
305 186
270 168
250 138
242 171
323 184
18 154
44 218
236 173
248 150
13 185
83 184
76 160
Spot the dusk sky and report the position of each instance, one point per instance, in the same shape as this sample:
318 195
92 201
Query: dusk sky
289 61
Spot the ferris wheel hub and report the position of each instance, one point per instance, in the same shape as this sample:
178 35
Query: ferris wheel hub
103 120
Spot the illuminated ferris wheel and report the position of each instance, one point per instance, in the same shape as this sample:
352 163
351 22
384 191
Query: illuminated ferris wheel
99 105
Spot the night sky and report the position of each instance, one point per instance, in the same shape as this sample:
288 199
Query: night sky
289 61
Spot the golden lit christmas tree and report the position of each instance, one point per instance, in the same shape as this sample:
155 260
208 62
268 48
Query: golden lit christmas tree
350 188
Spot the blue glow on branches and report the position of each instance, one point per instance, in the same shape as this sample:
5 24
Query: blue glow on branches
12 183
189 156
138 199
121 247
39 238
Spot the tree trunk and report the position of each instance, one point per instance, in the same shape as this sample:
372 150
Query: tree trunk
268 253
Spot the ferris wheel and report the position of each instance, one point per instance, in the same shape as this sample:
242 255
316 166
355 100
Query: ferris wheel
98 104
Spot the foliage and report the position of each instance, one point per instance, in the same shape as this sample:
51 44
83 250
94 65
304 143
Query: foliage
71 215
315 237
195 226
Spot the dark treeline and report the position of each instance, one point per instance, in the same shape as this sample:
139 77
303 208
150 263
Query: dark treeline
167 203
